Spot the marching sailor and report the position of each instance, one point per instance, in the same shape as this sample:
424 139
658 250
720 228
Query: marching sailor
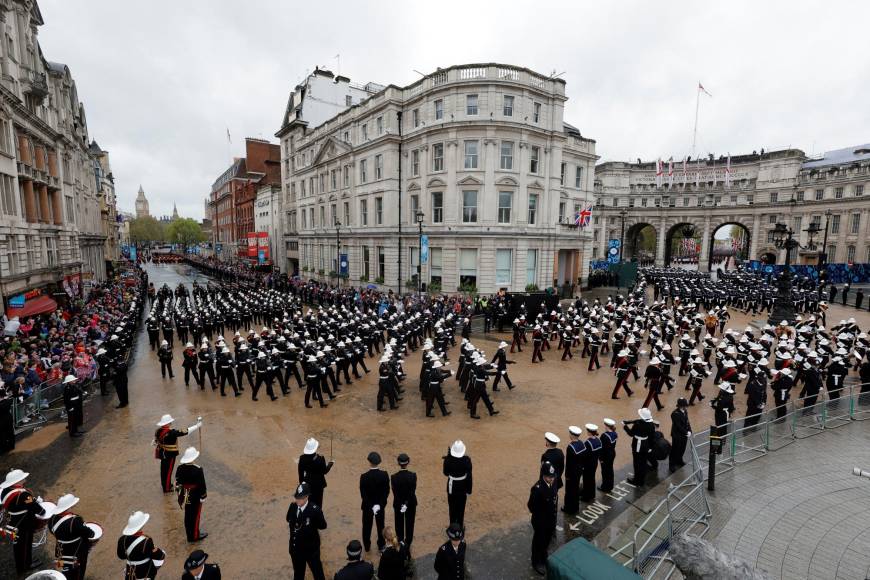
73 538
143 559
191 490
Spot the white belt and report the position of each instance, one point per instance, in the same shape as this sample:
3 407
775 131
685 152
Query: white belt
74 399
451 479
639 442
68 541
138 562
17 513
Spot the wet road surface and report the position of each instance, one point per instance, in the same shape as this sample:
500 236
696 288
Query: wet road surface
250 449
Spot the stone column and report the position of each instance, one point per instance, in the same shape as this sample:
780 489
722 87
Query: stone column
704 257
43 203
29 201
661 240
753 242
57 206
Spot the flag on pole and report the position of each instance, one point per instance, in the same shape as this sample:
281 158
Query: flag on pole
585 216
576 218
659 172
703 90
728 172
671 172
229 139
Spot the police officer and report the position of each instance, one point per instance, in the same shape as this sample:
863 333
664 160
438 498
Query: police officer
542 505
164 355
166 443
195 567
72 400
191 489
312 469
450 557
404 486
73 538
356 568
374 490
457 468
681 430
305 520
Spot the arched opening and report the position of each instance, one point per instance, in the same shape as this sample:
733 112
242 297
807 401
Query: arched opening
640 244
683 246
729 246
767 258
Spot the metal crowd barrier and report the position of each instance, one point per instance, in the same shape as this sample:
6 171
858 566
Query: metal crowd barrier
685 509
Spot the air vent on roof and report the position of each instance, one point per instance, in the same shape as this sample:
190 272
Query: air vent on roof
862 151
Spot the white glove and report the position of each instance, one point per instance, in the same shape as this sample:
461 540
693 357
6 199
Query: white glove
39 499
403 509
376 509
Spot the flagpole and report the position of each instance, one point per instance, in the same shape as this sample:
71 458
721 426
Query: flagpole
697 106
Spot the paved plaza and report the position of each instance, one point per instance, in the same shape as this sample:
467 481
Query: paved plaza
250 448
799 513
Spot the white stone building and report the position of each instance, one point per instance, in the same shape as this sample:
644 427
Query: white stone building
51 226
269 218
482 150
762 188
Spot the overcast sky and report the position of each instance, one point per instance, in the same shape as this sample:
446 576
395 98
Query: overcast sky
162 81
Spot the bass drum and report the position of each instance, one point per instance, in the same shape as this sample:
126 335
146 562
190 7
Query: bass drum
40 530
46 575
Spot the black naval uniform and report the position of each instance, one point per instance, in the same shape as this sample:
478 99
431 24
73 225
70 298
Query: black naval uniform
72 399
607 456
574 457
542 505
209 572
305 525
164 354
312 470
450 562
680 430
590 467
143 558
459 486
356 570
73 538
404 485
166 439
191 490
374 490
641 433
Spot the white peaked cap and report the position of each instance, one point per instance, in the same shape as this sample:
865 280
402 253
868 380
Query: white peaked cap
190 455
311 446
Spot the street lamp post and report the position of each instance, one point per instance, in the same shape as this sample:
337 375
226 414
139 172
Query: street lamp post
419 216
823 255
622 215
338 252
783 238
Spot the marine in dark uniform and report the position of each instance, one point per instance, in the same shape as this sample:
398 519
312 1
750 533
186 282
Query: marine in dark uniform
142 558
641 432
457 468
73 400
312 469
166 443
374 490
191 489
73 538
22 510
681 430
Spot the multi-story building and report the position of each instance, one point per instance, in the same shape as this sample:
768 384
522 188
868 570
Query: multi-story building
231 202
479 152
51 228
105 184
752 192
269 219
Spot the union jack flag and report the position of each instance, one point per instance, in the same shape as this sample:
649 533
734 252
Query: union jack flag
583 217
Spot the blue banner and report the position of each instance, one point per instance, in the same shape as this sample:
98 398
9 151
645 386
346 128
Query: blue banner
261 256
424 250
132 253
343 265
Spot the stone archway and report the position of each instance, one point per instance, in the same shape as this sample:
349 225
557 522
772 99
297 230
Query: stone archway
683 245
640 243
729 245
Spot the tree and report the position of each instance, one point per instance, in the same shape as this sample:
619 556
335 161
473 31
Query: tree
146 229
184 231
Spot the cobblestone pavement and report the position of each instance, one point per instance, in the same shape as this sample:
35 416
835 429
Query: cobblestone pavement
799 512
250 449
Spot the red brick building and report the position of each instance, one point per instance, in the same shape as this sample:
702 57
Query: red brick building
232 196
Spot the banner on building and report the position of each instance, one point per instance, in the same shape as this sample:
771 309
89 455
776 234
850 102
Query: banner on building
343 265
252 244
613 251
424 249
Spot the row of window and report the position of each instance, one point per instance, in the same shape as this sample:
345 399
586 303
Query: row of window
469 210
471 161
669 201
833 224
36 252
467 263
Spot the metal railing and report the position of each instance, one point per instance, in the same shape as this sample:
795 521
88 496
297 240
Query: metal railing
685 508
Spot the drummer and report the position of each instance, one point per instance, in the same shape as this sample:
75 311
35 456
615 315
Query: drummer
143 558
24 514
74 538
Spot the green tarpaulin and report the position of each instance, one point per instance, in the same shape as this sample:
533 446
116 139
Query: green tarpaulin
580 560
